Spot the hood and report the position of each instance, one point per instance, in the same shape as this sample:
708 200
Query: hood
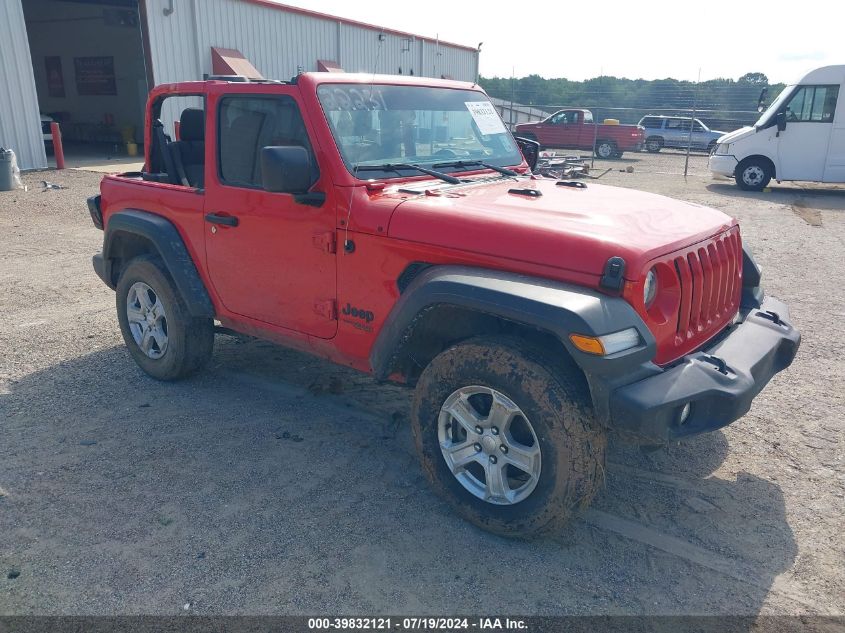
576 229
520 126
742 132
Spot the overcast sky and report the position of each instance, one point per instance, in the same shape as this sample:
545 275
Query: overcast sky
650 40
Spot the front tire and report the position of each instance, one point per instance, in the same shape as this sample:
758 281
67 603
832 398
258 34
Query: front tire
506 437
159 332
753 174
654 144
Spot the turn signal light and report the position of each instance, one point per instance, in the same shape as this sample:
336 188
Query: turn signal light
607 343
588 344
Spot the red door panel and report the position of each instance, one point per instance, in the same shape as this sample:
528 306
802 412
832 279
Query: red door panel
266 253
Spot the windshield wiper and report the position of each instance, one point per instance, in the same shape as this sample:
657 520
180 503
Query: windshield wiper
397 167
478 163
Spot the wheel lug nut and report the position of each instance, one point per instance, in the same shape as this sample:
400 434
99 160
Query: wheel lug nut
477 448
479 430
493 459
504 449
494 431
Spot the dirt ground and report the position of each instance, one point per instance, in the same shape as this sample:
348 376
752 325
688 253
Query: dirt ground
274 483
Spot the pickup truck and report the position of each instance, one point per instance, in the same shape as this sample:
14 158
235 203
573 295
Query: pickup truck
391 224
575 129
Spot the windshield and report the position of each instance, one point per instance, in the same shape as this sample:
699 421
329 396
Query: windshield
381 125
768 116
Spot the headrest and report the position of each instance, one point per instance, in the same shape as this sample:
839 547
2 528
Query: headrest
192 125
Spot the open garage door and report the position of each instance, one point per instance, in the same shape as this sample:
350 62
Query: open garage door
90 74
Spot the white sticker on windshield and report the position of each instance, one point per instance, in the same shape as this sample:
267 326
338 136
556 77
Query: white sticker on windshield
485 117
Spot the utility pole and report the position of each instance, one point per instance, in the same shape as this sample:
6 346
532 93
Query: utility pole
513 88
692 122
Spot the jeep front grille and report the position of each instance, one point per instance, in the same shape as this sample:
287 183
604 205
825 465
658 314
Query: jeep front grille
710 277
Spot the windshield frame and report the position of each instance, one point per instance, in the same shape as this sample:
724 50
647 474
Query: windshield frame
769 116
516 160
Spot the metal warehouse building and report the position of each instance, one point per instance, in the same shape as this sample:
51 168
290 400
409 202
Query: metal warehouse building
90 63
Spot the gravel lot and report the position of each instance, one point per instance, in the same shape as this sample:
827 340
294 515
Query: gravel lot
274 483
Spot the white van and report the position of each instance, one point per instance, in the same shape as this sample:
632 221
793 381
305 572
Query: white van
801 136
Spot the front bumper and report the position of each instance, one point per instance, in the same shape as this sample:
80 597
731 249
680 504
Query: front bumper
719 382
722 164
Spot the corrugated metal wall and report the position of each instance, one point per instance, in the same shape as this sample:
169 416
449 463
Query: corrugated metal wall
515 113
280 42
20 123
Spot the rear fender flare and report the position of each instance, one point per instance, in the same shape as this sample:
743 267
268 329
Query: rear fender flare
168 245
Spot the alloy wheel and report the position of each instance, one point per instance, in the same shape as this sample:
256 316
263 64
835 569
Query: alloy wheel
147 320
489 445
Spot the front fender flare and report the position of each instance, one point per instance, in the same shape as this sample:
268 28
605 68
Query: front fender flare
555 307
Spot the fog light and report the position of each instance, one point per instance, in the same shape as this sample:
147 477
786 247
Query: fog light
685 412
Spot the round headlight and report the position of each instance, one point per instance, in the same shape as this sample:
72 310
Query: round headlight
650 288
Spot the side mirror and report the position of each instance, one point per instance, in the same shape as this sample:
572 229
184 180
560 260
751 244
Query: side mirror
285 169
781 121
761 102
530 150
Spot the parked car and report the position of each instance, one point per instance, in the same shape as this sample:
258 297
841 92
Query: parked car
674 131
574 129
801 136
532 317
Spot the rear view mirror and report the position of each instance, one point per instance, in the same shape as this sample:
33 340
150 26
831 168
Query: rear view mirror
530 150
781 121
285 169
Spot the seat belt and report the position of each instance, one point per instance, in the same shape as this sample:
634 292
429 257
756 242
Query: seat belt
177 161
166 157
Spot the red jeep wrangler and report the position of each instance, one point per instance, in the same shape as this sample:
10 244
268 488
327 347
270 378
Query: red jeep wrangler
393 225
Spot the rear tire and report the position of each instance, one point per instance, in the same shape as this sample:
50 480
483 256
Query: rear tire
606 149
548 415
161 335
753 174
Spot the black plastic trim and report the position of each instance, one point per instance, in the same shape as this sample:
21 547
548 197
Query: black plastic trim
95 211
555 307
100 268
719 382
170 247
613 277
751 271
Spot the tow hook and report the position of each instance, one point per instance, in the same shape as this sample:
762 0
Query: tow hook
718 364
771 316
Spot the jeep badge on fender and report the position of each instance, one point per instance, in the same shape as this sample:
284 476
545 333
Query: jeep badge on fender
366 315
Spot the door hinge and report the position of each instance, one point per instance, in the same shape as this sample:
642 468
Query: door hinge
326 309
325 242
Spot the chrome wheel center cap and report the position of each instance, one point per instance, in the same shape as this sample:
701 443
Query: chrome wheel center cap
489 444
